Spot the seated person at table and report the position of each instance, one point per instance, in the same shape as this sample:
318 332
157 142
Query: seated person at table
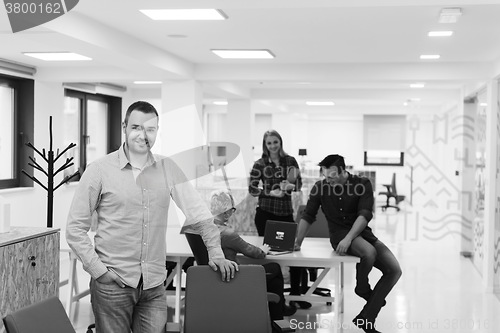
222 207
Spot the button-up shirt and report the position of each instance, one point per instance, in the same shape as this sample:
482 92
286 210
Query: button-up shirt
131 212
342 204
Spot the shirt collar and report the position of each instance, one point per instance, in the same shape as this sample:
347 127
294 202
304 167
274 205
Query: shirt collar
123 159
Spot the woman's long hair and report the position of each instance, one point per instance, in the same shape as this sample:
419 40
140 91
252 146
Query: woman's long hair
265 151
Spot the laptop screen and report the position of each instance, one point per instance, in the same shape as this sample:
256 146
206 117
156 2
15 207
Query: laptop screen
279 235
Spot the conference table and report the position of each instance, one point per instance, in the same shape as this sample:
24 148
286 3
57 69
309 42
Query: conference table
315 252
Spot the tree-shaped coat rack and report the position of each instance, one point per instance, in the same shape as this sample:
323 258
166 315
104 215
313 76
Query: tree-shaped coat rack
50 159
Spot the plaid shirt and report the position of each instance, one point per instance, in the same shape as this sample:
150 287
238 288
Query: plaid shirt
271 175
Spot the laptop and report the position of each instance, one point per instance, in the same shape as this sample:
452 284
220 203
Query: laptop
280 236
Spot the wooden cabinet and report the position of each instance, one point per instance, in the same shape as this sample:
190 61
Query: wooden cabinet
29 267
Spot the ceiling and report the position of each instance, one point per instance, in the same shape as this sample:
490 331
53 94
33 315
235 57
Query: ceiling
357 53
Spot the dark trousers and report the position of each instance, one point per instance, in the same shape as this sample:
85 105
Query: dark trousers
261 217
377 255
274 282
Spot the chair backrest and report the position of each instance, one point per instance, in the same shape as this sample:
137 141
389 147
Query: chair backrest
394 191
319 228
45 316
226 307
198 248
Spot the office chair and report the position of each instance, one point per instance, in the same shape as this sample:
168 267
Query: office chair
392 193
201 257
45 316
200 254
216 306
318 229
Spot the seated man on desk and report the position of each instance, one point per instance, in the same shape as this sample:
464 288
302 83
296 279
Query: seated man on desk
222 207
347 201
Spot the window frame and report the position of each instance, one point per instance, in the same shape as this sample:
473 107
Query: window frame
113 128
23 129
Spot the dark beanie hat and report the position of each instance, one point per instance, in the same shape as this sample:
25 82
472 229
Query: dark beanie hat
330 160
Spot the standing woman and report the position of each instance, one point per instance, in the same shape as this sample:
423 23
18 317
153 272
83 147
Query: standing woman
279 175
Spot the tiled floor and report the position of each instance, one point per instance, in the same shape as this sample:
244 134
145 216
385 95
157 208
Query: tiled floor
439 292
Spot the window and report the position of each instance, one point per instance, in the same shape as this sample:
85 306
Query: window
93 123
384 139
16 129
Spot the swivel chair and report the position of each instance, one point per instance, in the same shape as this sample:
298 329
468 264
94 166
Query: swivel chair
392 193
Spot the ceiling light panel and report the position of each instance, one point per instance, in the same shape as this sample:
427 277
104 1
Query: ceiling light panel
430 56
440 33
147 82
244 54
320 103
57 56
184 14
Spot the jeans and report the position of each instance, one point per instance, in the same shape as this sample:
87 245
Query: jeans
120 310
274 284
377 255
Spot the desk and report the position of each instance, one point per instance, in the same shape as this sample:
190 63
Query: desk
178 251
315 252
74 294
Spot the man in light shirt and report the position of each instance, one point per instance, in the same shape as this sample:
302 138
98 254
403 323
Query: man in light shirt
129 190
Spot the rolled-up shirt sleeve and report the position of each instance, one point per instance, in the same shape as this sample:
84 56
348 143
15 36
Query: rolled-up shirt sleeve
365 203
199 220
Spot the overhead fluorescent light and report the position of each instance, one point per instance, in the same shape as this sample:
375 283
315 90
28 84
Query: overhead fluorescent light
483 104
414 99
57 56
430 56
244 54
185 14
220 102
318 103
449 15
417 85
147 82
447 33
